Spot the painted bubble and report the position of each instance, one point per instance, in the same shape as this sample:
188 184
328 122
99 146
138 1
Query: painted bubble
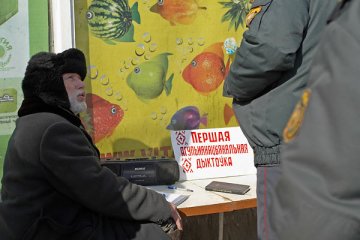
118 96
104 80
93 72
140 49
163 110
109 91
153 47
190 41
179 41
135 61
147 37
153 115
201 41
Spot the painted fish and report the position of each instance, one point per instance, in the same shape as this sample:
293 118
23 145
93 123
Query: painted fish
111 20
101 117
187 118
148 79
207 70
177 11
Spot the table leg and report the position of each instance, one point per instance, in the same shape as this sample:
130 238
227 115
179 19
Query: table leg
221 226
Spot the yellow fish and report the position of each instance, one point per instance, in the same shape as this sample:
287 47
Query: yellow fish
177 11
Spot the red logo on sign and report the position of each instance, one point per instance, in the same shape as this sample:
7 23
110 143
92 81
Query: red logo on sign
180 138
187 165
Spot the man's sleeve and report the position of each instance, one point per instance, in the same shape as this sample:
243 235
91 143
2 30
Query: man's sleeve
73 169
268 48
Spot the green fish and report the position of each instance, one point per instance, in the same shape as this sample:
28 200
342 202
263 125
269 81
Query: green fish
148 79
111 20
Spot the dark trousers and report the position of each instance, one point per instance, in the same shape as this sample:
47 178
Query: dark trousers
267 178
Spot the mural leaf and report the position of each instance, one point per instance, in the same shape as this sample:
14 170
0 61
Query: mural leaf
236 12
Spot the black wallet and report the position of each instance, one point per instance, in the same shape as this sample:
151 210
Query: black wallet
226 187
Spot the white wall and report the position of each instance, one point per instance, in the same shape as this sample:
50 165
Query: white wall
62 30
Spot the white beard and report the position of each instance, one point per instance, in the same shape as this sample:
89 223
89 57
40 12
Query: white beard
77 107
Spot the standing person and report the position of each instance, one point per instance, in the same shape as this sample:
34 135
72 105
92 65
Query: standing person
266 79
321 166
53 186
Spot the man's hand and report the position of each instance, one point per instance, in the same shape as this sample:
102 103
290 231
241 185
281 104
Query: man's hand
176 216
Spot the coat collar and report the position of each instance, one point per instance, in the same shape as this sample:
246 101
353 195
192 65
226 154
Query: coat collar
36 105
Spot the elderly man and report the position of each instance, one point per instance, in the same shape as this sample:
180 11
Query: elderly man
53 186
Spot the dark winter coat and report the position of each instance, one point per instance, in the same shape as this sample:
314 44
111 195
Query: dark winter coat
318 196
54 187
271 68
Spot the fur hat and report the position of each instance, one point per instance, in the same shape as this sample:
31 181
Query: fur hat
43 75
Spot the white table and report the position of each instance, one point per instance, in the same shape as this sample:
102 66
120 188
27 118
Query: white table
203 202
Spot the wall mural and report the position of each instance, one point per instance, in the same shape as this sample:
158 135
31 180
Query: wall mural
156 66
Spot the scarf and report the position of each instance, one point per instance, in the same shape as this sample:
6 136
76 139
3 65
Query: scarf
36 105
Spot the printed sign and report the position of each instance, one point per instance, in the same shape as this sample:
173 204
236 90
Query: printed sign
8 100
23 32
14 38
211 153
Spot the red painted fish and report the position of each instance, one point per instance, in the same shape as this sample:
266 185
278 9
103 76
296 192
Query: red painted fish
207 70
101 117
177 11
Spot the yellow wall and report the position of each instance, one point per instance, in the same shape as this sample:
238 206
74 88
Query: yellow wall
142 130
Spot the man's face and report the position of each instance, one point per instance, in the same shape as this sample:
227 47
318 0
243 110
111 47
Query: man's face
75 90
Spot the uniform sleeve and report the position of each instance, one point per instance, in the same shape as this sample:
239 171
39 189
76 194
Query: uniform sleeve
73 169
268 47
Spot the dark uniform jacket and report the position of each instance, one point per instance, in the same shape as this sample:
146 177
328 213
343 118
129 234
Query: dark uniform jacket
54 187
271 67
318 196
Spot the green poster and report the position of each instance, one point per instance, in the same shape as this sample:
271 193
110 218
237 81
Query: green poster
23 32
